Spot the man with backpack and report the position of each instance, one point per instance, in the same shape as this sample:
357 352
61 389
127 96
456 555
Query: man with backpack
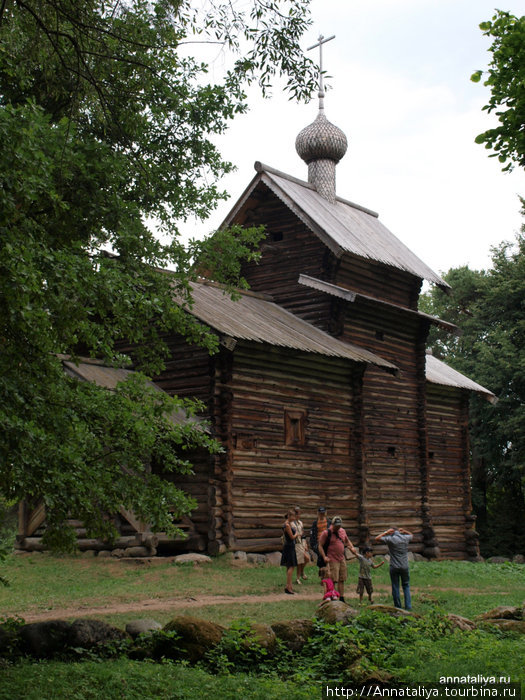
332 543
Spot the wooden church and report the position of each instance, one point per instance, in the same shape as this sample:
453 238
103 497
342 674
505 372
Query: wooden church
322 392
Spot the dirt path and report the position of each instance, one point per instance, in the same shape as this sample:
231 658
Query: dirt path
149 604
145 605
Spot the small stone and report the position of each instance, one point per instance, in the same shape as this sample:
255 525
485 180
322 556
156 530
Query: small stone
138 627
393 611
274 558
118 553
518 559
240 555
256 558
89 553
461 623
192 557
137 552
498 560
104 554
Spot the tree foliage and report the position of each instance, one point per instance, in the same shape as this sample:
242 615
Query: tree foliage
489 308
506 79
106 122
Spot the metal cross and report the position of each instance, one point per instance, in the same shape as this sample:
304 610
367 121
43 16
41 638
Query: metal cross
319 44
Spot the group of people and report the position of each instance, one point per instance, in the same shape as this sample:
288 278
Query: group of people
328 542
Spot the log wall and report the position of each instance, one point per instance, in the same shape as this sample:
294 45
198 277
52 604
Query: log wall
449 477
392 405
189 374
290 249
379 281
268 475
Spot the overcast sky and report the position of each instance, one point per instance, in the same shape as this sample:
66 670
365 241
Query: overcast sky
401 92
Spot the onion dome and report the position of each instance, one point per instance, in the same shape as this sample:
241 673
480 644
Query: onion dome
321 140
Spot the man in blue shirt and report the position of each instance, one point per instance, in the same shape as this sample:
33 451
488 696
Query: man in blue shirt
397 541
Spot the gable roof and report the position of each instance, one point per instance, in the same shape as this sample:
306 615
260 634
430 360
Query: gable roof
92 370
344 227
438 372
253 317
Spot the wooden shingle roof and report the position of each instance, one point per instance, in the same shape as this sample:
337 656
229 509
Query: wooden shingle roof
254 318
343 226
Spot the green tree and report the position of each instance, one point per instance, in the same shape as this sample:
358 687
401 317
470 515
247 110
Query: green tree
506 79
489 308
106 123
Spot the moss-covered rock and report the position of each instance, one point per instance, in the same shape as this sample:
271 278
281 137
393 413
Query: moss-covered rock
195 636
262 635
393 611
333 611
503 612
86 633
44 639
294 633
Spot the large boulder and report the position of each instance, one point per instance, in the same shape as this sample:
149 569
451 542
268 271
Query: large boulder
9 639
507 625
260 635
503 612
44 639
145 626
333 611
195 636
90 633
294 633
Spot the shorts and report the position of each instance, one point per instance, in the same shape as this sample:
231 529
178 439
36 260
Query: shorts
337 571
363 583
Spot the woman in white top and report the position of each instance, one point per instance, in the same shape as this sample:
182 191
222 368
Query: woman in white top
301 550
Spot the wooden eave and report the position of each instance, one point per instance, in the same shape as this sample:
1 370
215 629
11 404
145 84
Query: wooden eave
351 296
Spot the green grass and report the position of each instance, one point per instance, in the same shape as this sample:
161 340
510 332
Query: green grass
132 680
44 582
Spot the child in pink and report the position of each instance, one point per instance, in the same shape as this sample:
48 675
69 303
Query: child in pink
329 591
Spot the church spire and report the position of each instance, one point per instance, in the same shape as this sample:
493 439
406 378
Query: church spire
321 144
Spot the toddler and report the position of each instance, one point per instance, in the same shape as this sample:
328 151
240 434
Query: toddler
329 591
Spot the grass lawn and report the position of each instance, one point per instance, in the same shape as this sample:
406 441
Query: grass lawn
43 583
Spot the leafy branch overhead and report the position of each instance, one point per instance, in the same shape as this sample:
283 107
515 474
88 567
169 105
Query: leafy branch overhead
506 79
107 122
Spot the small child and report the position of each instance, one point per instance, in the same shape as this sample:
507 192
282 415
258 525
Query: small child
329 591
365 579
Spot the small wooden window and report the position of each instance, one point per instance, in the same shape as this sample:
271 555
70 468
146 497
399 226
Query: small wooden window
276 236
294 427
392 451
380 335
431 455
